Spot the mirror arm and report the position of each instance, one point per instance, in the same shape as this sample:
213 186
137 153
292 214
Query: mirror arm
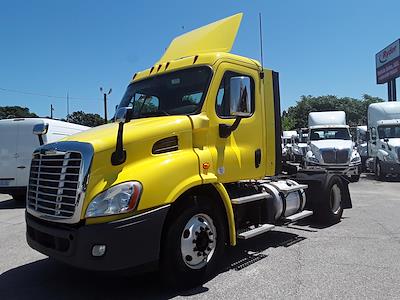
226 130
41 143
119 155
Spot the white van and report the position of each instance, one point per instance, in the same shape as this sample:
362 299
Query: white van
17 143
384 141
330 145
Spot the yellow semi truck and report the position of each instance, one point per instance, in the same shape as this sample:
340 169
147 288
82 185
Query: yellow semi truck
191 165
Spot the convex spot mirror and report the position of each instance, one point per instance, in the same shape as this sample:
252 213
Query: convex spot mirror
240 96
123 115
40 129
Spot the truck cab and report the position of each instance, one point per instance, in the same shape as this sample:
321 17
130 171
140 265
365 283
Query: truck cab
330 144
289 139
362 145
384 139
190 165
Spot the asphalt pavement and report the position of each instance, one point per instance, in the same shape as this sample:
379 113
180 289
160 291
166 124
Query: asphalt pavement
357 258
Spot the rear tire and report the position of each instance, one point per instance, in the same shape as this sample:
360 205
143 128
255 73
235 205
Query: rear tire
330 209
193 244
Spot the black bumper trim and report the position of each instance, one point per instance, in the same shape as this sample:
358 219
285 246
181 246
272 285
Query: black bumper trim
13 190
130 242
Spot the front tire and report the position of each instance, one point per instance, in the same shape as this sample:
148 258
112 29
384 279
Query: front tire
380 175
193 244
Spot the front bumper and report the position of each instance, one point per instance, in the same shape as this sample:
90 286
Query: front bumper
130 242
390 167
336 169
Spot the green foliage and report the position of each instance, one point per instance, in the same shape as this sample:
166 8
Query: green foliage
86 119
355 109
9 112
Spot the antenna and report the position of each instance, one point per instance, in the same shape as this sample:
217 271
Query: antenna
261 43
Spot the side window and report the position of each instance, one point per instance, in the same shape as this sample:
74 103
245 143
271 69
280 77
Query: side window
145 104
222 105
373 133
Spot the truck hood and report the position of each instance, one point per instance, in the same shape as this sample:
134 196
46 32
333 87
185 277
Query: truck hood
393 142
104 137
333 143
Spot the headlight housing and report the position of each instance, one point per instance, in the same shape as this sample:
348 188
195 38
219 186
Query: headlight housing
388 158
313 159
118 199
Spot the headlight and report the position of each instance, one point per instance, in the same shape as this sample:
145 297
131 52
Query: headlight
313 159
388 157
118 199
356 159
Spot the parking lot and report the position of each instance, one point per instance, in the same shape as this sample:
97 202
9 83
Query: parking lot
357 258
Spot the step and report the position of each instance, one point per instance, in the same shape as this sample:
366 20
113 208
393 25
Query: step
299 216
251 198
256 231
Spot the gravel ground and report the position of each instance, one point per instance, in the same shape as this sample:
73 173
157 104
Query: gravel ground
357 258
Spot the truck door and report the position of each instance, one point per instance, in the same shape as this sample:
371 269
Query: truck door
239 156
27 142
8 154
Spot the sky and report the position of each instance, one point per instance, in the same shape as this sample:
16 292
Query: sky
49 49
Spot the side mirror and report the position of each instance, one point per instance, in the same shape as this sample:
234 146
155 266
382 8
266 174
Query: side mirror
240 96
40 129
123 115
386 140
368 136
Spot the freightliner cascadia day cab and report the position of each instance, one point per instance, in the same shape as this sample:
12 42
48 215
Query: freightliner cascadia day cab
384 141
17 145
188 168
330 144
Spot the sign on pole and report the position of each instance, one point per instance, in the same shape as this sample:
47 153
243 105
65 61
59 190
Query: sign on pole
388 63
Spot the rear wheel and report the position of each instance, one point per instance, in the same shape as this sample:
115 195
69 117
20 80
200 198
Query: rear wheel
330 209
193 244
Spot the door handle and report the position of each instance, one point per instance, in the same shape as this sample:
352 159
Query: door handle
21 167
257 157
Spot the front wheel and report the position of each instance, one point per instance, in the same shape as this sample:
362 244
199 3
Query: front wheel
194 242
380 175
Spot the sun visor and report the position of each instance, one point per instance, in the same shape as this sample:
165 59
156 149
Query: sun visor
215 37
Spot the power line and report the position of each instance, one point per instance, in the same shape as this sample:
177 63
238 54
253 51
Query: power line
43 95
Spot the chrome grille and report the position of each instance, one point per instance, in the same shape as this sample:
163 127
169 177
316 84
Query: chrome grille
335 156
54 183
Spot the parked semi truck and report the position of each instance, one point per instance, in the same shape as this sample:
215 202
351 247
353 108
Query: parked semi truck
384 140
16 147
330 144
190 166
300 146
289 138
362 145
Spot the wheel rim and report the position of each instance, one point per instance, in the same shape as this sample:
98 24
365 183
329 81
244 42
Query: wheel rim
198 241
336 198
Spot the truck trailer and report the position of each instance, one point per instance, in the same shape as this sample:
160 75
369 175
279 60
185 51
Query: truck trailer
16 147
190 166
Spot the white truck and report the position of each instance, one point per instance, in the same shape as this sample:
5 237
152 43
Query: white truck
330 145
299 148
17 143
362 145
289 137
384 140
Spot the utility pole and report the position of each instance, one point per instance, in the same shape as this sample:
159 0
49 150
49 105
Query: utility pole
51 111
105 103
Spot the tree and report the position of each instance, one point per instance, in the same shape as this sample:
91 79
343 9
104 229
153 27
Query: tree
355 109
85 119
8 112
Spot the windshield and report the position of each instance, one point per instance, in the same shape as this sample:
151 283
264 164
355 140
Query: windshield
176 93
389 131
329 134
